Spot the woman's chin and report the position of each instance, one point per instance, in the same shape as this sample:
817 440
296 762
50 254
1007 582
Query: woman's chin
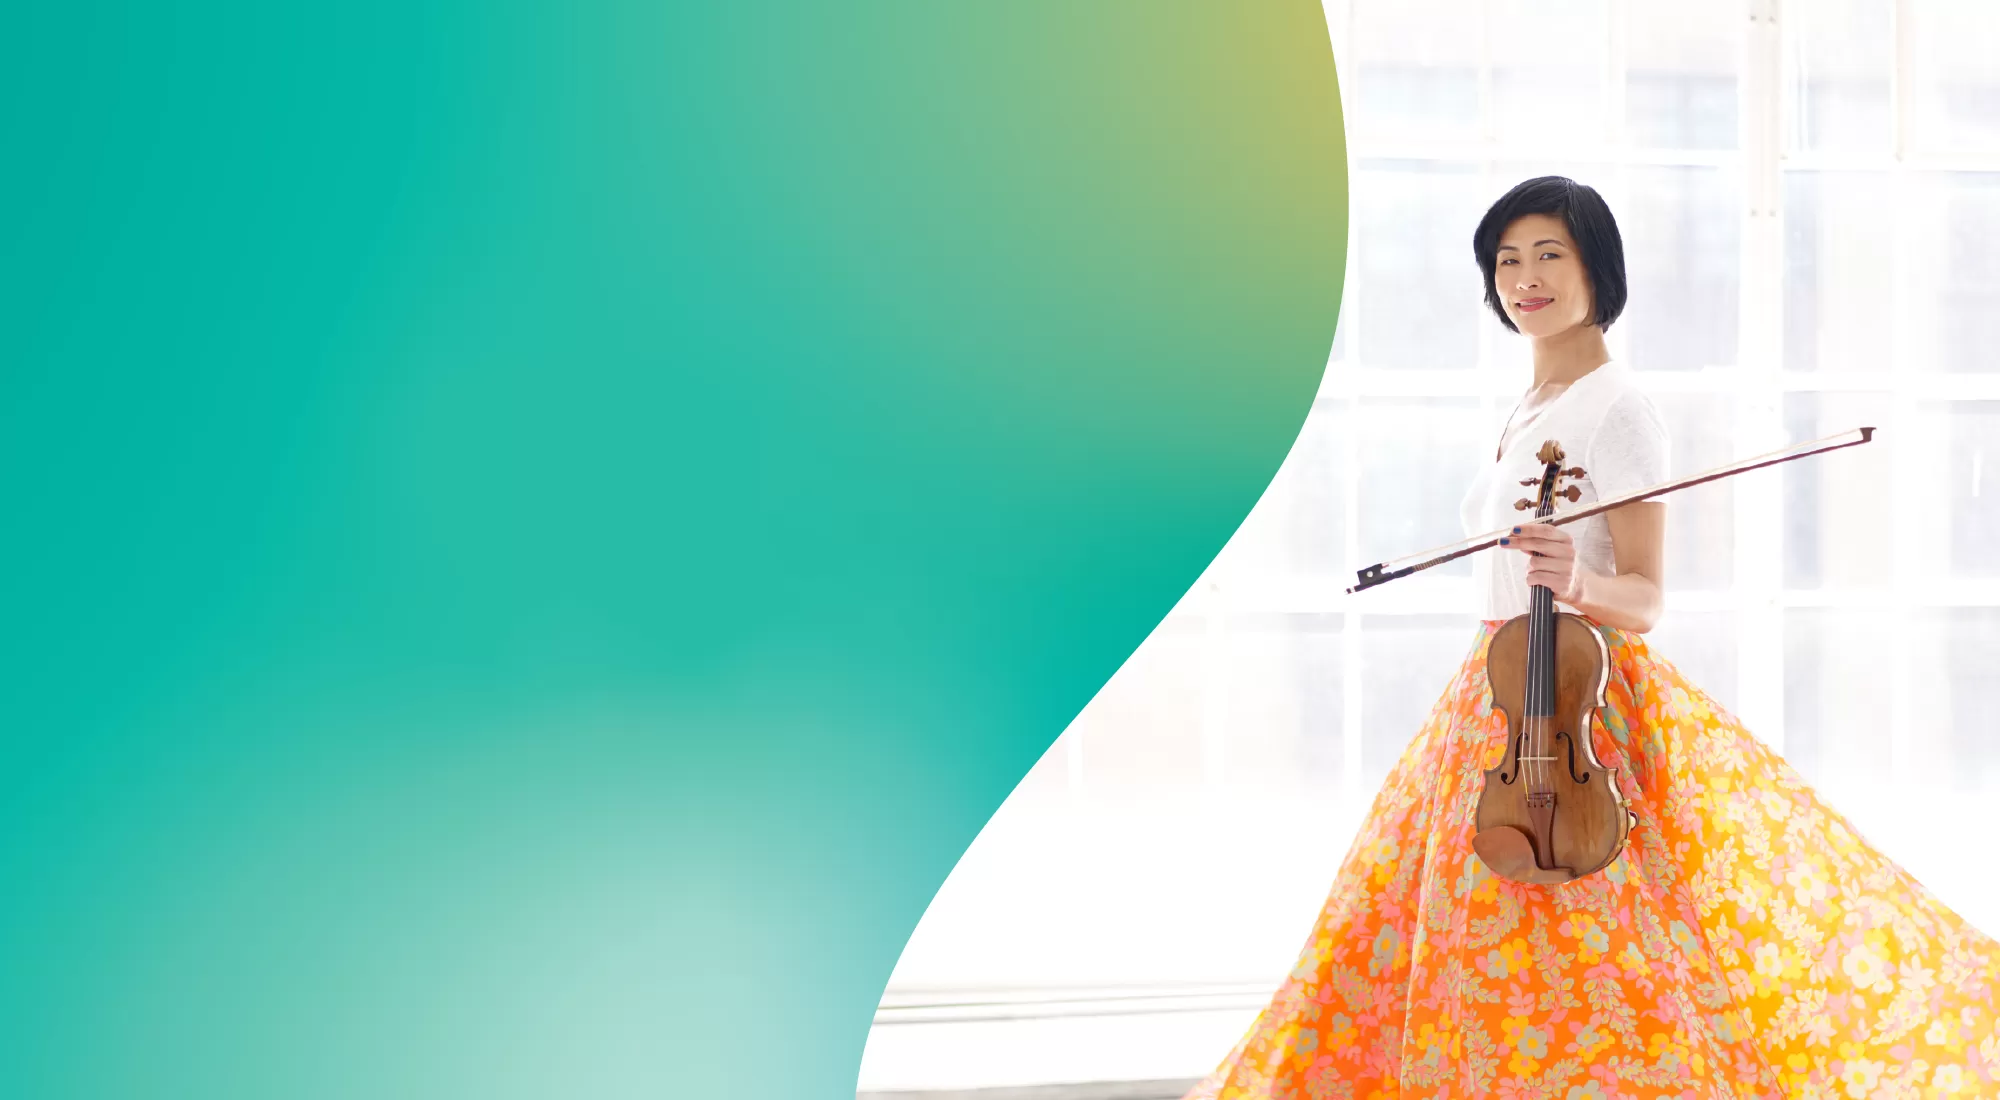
1538 327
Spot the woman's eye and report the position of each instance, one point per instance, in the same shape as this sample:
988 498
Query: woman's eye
1550 256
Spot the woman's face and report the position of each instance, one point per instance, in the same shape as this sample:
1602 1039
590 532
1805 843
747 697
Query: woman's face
1540 279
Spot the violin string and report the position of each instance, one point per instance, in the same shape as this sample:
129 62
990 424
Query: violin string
1535 689
1534 693
1542 617
1527 749
1548 687
1541 704
1534 651
1528 706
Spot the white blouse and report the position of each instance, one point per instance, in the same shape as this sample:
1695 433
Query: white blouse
1605 424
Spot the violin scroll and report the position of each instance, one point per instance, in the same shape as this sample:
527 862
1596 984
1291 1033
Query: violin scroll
1551 455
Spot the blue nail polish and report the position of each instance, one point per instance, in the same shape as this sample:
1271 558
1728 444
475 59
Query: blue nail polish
1517 530
1503 542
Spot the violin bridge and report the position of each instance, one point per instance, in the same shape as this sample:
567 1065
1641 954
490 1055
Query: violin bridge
1541 799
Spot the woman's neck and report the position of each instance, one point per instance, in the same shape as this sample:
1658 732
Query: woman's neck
1568 356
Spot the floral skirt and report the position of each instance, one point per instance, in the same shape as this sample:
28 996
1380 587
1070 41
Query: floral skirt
1747 942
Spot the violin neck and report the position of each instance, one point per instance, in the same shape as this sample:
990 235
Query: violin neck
1541 686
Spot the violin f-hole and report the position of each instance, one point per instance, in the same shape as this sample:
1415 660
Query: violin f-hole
1520 746
1563 735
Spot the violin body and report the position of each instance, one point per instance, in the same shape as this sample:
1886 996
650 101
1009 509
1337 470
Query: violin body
1551 811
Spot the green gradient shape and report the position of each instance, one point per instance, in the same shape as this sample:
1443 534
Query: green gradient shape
539 533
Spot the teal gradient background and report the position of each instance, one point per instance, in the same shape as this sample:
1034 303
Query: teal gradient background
538 533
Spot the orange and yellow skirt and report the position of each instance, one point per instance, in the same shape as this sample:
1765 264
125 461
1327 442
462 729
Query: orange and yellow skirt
1747 942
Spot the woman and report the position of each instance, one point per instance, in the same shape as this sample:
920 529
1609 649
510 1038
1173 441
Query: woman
1746 942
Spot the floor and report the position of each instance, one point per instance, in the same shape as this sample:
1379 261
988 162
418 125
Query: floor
1103 1090
1103 1043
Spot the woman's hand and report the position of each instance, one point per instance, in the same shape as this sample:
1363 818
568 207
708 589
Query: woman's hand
1551 560
1629 599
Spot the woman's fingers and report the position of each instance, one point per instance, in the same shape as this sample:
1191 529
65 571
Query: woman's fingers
1540 538
1557 581
1542 531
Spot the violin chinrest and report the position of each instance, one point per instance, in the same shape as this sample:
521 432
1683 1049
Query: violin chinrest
1509 853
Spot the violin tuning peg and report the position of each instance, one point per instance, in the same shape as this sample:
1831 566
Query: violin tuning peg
1523 504
1574 471
1531 481
1571 494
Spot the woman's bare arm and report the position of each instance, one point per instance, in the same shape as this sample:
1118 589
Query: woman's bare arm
1635 597
1630 599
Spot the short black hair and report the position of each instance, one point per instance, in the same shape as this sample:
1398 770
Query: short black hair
1590 225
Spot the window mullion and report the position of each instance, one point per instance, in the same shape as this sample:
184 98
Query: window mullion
1905 548
1759 416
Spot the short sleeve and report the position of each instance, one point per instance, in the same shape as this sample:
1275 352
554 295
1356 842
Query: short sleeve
1630 449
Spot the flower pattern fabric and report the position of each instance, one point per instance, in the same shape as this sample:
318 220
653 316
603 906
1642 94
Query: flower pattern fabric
1748 942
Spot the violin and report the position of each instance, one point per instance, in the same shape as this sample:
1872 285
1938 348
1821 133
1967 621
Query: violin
1550 811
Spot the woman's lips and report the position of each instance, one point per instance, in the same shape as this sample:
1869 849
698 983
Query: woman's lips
1530 305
